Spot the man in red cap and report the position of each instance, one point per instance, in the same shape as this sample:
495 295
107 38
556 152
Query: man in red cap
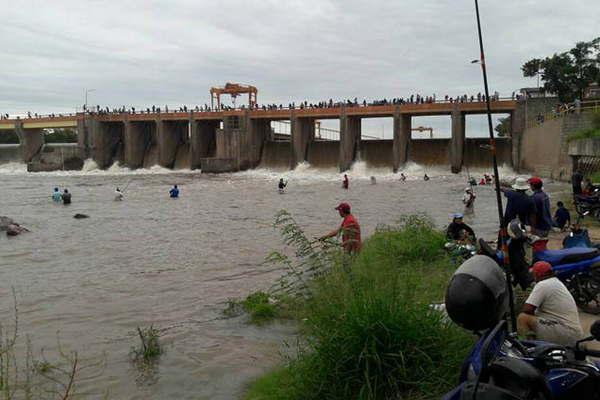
550 312
350 230
543 218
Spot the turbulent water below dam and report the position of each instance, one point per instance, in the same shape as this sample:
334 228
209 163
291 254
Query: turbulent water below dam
175 263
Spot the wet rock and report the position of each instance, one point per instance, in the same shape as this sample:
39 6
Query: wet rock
5 222
15 229
80 216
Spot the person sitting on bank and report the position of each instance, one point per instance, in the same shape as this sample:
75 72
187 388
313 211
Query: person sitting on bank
578 237
174 192
281 185
549 313
66 197
458 230
349 229
56 196
562 217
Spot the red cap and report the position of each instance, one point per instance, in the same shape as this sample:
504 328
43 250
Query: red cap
344 207
534 180
541 269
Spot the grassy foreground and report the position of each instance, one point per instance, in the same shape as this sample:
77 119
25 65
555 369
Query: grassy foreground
368 330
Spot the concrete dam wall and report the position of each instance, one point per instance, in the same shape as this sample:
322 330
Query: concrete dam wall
10 153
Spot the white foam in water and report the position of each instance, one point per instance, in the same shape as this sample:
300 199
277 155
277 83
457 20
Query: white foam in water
303 172
91 168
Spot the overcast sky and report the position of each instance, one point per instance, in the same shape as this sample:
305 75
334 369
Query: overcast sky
171 52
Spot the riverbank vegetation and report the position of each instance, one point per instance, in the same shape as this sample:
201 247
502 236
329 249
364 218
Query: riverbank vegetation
368 331
591 133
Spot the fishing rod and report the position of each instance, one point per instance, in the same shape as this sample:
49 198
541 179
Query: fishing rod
503 233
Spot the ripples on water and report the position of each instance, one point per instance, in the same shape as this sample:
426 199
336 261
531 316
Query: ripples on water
175 263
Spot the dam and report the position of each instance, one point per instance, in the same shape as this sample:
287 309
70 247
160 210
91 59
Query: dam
240 139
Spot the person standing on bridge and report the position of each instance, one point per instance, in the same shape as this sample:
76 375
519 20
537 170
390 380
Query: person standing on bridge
349 229
345 182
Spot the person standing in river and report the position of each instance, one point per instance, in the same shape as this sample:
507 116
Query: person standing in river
66 197
349 229
345 182
56 196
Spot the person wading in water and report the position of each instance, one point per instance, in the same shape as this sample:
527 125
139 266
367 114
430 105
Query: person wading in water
345 182
350 230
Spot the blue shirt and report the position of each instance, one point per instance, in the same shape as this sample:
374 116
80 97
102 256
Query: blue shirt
56 196
518 205
561 216
542 210
174 193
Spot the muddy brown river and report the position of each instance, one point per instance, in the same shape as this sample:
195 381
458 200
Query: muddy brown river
175 263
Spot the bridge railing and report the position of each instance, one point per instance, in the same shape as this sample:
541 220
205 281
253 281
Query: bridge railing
265 107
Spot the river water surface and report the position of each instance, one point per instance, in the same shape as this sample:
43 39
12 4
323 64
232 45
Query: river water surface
175 263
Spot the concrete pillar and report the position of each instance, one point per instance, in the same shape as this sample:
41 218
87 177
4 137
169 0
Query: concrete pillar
303 133
83 138
31 141
257 132
106 138
202 140
457 143
170 134
402 138
350 131
136 137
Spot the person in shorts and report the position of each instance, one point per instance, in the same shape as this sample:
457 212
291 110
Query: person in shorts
549 313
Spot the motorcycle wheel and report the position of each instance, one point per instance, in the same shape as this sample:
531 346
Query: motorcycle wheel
585 289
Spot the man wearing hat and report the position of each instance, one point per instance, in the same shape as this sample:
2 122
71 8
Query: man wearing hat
543 218
350 230
458 230
550 312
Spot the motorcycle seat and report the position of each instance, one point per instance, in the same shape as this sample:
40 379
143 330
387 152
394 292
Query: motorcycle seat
566 256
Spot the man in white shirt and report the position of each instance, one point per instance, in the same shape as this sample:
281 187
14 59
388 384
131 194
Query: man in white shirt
550 313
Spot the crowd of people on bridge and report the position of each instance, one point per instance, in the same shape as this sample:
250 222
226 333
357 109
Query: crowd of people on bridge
412 99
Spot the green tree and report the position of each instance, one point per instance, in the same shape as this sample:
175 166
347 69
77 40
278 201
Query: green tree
503 127
569 73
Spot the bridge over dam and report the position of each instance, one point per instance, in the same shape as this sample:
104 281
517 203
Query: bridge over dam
233 140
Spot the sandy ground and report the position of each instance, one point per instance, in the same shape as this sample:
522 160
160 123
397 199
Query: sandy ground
555 242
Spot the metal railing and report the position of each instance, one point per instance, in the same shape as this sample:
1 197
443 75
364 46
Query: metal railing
264 107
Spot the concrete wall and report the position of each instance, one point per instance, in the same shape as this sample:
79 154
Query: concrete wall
324 154
276 155
31 141
57 156
203 142
543 149
137 138
377 153
107 139
350 131
10 153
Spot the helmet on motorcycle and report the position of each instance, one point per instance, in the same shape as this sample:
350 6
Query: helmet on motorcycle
476 297
516 230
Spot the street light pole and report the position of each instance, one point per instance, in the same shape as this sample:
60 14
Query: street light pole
86 140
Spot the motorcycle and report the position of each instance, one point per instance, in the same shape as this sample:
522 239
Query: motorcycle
577 267
588 204
501 367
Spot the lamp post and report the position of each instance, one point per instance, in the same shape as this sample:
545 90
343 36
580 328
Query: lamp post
86 98
86 141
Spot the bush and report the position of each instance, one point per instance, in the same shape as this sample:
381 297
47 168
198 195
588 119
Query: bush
370 332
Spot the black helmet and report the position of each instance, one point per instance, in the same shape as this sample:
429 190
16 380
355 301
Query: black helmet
516 229
476 297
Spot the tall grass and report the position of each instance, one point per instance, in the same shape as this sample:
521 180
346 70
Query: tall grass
369 332
591 133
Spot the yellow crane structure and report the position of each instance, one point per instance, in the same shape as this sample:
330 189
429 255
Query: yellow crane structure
234 90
